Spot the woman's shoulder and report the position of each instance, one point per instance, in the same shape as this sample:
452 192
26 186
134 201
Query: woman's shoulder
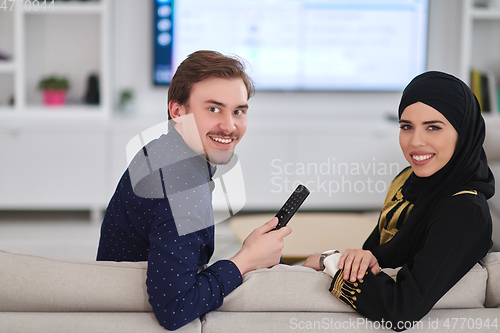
464 213
465 196
464 205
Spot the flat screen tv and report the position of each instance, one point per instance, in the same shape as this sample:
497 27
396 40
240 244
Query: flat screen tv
311 45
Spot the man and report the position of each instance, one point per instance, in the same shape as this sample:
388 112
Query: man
161 211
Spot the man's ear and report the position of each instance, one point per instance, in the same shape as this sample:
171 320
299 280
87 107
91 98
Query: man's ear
175 110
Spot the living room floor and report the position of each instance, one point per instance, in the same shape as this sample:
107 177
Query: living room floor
71 235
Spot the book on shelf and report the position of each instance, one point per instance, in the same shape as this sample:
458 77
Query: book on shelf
484 86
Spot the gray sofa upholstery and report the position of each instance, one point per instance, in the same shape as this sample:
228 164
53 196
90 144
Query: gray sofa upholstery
45 295
492 149
494 204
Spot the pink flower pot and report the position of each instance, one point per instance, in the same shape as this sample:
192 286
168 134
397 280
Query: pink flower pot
54 97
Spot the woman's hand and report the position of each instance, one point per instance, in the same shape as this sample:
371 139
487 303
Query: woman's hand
356 262
313 261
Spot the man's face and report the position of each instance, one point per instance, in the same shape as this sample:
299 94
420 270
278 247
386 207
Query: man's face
219 107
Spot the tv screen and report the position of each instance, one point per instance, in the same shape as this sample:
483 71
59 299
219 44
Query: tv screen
312 45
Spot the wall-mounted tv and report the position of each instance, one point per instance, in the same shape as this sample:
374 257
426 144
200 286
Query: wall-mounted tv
312 45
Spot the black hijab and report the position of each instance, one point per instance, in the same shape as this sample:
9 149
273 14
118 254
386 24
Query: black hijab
467 169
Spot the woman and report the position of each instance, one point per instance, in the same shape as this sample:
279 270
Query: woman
435 223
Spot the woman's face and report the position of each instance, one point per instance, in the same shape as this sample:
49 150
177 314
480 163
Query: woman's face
427 139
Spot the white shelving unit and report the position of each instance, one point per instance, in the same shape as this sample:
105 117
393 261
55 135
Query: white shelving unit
7 67
50 40
480 40
55 157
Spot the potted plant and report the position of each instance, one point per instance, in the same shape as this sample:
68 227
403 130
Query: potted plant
126 99
54 90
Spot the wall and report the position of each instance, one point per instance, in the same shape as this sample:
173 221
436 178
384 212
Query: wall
132 44
295 128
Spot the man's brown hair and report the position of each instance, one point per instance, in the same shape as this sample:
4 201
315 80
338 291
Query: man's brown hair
201 65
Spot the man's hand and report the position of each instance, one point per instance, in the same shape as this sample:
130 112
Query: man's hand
312 261
356 262
262 248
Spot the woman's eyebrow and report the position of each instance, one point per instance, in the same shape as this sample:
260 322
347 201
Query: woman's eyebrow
425 122
433 122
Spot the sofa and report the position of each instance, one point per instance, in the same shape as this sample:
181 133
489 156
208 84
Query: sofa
45 295
492 149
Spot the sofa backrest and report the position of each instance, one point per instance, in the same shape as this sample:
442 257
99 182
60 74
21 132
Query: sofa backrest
35 284
298 289
32 284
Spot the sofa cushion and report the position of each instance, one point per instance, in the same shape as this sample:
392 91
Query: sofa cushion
468 293
492 264
445 320
31 283
85 322
284 288
298 288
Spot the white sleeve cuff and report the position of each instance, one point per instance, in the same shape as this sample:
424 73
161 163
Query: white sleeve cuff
332 264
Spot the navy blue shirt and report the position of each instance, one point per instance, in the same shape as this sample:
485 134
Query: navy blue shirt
162 212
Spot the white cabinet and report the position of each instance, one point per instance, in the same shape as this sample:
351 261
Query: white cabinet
52 166
69 39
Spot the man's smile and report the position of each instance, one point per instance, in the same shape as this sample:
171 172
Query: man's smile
222 139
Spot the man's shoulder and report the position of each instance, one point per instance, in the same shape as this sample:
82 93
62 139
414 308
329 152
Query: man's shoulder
171 154
166 165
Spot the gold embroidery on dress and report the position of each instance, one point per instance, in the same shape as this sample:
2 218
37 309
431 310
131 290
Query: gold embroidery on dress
394 198
474 192
346 291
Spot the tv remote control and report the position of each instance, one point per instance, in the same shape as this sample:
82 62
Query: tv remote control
291 206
